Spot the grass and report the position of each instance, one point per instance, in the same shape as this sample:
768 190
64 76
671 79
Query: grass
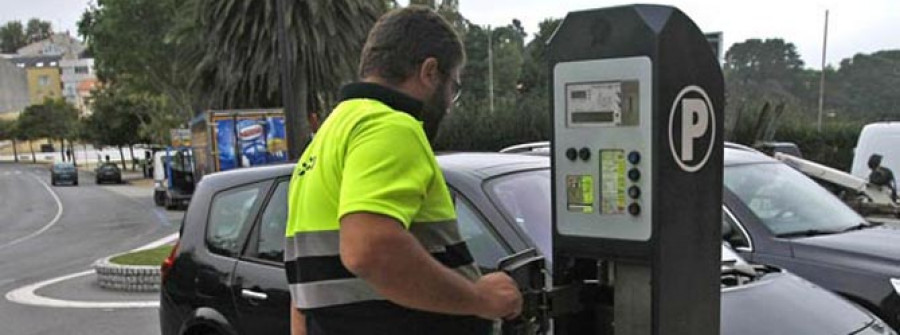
152 257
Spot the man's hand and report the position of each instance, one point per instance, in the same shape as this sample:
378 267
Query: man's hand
500 297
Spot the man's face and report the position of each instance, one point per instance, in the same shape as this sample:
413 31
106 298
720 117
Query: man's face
439 103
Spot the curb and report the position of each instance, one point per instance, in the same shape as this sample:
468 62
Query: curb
129 278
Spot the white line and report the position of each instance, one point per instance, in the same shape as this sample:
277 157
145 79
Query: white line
59 214
26 295
159 242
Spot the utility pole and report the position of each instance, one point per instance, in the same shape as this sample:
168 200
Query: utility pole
490 69
822 77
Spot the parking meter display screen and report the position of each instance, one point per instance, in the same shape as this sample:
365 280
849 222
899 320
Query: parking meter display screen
601 103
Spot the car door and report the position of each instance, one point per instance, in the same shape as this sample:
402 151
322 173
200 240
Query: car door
259 285
231 214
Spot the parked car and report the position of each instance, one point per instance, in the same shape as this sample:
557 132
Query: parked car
108 172
778 216
63 172
225 275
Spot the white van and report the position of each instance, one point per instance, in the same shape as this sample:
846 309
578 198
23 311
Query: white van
881 138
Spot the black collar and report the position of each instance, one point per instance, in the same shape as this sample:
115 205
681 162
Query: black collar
392 98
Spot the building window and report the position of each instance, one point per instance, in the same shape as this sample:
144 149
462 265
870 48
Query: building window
81 70
44 81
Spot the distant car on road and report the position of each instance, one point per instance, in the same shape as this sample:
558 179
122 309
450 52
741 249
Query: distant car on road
225 276
108 172
63 173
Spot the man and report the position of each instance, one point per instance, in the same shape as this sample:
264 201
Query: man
882 176
372 243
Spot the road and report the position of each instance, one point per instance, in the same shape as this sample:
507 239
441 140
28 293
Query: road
47 232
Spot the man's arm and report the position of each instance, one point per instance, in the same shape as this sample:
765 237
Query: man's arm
298 321
379 250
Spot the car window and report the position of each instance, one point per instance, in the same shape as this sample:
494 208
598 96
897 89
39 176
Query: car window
483 245
229 213
270 231
731 233
525 198
786 201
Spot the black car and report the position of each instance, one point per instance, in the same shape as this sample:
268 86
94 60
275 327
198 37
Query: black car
108 173
778 216
63 173
225 275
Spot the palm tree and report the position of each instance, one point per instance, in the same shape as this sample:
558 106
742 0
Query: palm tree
237 57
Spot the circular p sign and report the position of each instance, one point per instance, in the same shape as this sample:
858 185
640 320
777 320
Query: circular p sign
692 128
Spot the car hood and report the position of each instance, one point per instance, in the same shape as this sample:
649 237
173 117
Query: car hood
782 303
873 249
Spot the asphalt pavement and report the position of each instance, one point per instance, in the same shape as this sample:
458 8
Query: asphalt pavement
50 236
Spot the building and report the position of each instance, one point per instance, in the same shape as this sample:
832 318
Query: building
61 44
56 68
13 88
74 73
84 91
42 75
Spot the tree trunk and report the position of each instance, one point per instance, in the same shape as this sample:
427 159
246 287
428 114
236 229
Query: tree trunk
133 161
31 147
72 150
15 151
62 150
122 158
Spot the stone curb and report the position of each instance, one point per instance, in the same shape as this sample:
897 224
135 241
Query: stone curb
129 278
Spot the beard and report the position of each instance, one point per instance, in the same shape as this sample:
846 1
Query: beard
433 111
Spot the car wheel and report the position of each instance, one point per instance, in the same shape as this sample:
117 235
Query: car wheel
75 183
53 182
158 198
170 205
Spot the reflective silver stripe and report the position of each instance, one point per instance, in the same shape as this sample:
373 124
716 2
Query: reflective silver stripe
332 292
311 244
345 291
434 236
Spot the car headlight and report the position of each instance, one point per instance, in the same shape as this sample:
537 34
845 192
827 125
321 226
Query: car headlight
896 283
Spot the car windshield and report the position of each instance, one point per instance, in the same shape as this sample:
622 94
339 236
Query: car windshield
787 202
525 198
65 168
108 167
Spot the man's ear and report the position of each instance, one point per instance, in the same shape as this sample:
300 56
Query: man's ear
429 74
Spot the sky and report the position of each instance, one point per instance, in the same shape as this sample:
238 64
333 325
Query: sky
855 26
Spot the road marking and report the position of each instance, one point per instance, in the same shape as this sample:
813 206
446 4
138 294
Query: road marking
53 222
18 172
26 295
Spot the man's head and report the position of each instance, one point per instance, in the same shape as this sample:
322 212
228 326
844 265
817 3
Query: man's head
417 52
874 161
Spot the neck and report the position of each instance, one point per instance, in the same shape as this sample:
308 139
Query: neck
406 87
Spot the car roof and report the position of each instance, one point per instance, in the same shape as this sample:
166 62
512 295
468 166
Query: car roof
484 165
225 179
478 165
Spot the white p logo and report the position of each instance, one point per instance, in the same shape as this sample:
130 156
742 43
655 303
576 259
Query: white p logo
694 123
697 119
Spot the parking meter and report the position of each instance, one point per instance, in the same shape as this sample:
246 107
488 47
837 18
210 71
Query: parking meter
637 99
